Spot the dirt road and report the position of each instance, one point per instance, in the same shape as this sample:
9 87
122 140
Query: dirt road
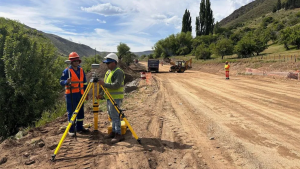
185 120
256 123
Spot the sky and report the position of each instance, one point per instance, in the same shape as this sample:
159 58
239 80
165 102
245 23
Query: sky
104 24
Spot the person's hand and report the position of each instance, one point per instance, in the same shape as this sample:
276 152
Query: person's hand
101 82
87 97
68 81
99 97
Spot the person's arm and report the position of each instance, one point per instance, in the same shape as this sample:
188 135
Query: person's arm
84 80
64 77
117 79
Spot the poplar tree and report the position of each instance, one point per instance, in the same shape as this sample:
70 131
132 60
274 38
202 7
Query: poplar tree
205 20
186 22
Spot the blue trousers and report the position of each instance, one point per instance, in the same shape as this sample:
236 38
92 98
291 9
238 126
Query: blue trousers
114 115
80 115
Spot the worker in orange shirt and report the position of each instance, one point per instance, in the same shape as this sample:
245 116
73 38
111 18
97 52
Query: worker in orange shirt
227 66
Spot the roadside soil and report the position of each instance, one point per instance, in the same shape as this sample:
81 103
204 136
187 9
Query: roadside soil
195 119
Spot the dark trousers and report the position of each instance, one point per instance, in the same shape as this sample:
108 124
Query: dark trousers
80 115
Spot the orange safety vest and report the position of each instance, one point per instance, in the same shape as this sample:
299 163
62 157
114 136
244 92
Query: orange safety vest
227 67
77 84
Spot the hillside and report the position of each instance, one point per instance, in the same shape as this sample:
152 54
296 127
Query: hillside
65 46
148 52
249 12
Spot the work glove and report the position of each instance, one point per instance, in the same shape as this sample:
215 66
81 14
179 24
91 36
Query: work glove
100 97
68 81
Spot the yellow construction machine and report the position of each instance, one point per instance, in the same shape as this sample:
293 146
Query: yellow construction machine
180 66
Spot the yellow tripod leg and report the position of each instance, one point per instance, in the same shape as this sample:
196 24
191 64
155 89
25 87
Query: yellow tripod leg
95 108
71 121
121 114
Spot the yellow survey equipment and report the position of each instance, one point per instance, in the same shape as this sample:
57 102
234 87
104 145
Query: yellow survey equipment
123 128
91 84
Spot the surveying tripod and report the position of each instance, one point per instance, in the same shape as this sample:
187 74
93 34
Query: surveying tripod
91 84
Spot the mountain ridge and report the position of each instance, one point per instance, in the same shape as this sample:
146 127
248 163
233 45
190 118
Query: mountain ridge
249 11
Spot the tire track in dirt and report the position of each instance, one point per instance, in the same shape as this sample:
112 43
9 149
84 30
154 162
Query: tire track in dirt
288 137
187 126
76 153
250 101
249 98
213 129
165 126
217 92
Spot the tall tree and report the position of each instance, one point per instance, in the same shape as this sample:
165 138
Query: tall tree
278 5
186 22
123 50
205 21
209 20
197 26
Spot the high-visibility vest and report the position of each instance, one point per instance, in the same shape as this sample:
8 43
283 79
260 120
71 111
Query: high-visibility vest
227 67
77 84
115 93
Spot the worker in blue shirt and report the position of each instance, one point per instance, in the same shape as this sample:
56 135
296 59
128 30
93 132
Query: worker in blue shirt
74 80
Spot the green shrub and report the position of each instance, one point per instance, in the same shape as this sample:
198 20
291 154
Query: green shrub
203 52
29 76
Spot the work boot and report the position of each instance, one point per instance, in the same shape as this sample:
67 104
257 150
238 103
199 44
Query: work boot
84 131
111 135
71 134
118 138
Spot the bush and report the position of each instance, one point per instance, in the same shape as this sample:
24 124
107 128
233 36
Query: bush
223 47
246 46
202 52
268 19
29 73
293 21
279 26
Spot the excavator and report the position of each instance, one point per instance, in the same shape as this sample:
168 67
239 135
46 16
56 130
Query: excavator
180 66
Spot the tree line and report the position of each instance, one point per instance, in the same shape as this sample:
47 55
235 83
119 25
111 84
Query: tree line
289 4
213 39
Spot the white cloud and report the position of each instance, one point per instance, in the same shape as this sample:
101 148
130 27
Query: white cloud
104 40
235 4
175 20
159 17
104 9
100 21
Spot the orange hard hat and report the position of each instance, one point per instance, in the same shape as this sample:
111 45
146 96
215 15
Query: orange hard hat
74 56
226 62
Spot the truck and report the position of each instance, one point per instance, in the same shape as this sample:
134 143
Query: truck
153 65
180 66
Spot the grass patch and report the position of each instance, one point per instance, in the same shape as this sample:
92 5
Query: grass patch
276 48
50 115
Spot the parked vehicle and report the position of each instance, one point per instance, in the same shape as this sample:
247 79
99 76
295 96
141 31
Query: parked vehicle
153 65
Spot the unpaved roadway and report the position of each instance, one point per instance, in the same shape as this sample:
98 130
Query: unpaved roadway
185 120
255 123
